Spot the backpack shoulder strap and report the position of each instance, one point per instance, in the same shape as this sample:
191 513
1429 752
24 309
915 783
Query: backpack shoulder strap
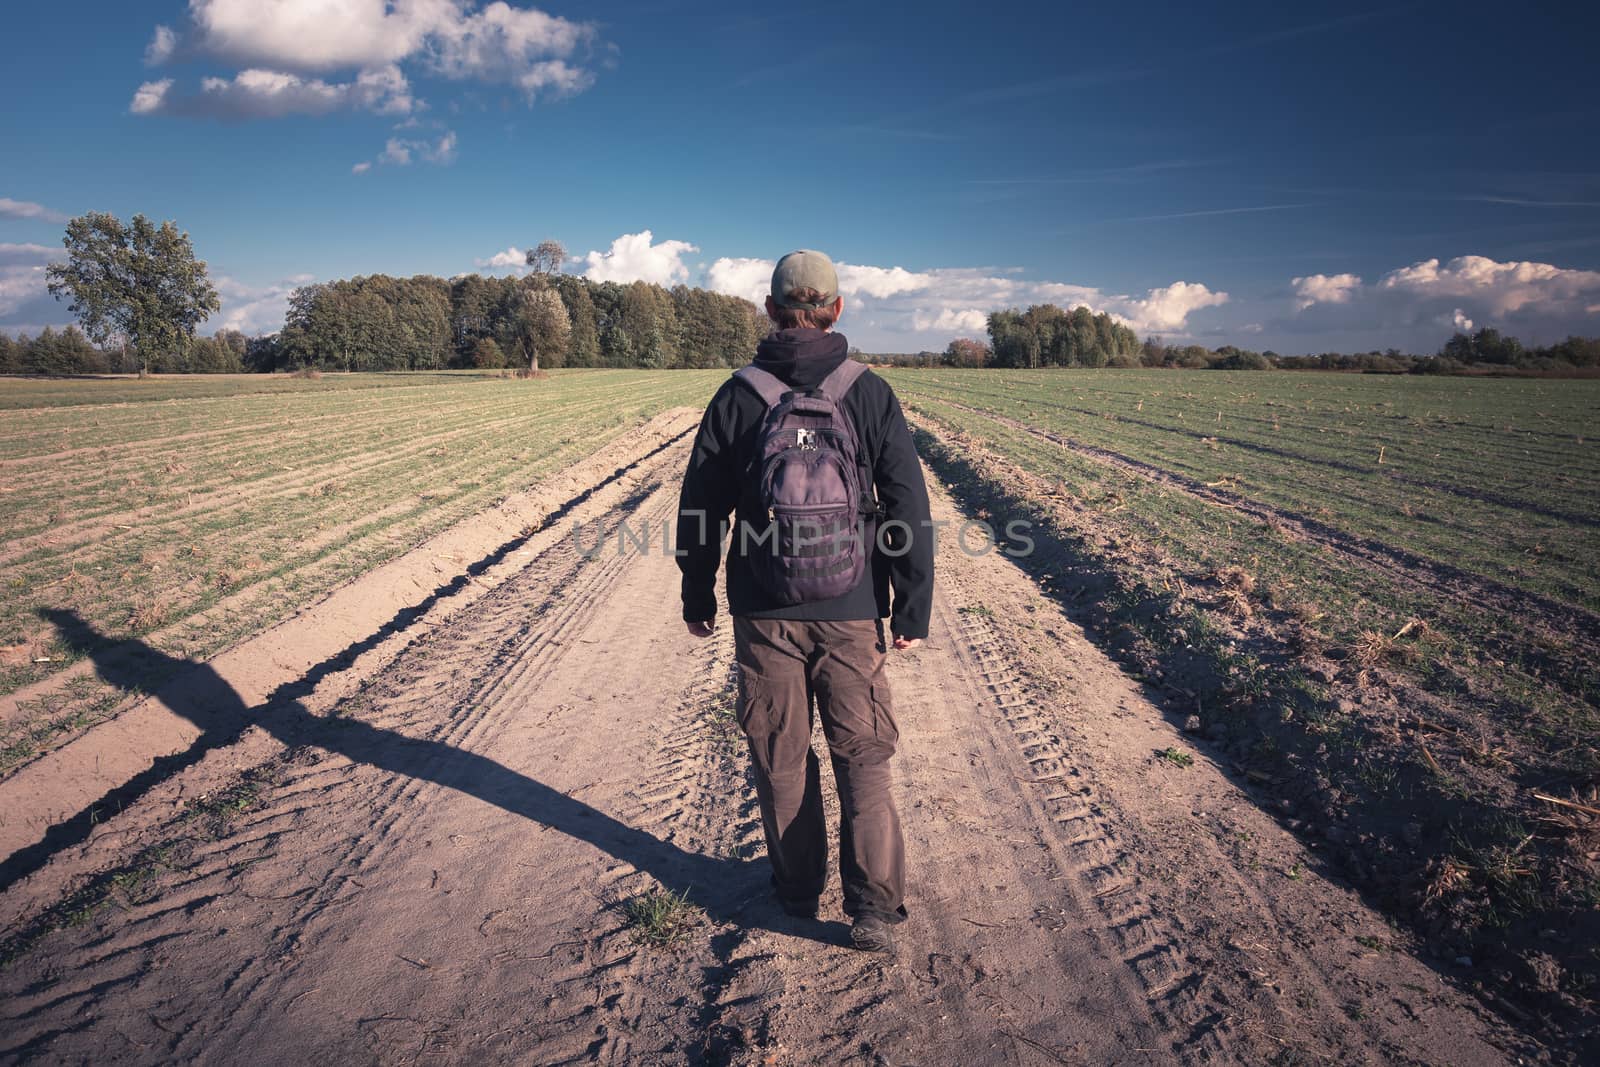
766 384
840 379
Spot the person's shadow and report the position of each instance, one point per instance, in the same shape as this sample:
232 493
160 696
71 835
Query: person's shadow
729 890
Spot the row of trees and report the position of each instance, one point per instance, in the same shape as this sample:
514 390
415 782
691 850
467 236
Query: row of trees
69 351
140 294
1046 336
543 320
1488 351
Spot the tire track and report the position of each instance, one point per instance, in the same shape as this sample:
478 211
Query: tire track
1100 877
493 662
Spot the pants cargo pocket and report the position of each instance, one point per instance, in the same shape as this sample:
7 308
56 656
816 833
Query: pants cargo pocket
885 730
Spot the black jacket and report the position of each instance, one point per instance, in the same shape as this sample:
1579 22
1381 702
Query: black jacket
714 483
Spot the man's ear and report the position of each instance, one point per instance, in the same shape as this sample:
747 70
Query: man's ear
772 310
838 307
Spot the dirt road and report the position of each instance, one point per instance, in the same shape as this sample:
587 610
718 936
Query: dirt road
430 868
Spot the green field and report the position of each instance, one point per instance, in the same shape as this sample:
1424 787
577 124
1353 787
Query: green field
141 504
1481 520
1500 477
1379 594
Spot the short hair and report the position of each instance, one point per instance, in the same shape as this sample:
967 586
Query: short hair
803 318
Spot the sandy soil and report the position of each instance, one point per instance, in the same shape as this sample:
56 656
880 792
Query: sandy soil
433 865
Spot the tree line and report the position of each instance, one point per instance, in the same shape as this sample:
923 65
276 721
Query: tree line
140 294
377 323
69 351
1046 336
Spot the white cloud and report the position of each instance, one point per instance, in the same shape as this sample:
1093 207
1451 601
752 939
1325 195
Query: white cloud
162 44
27 209
1325 289
513 259
971 322
1167 310
1417 306
1504 288
150 97
314 35
284 45
878 281
254 309
633 257
749 278
517 46
259 93
948 302
400 151
22 279
396 151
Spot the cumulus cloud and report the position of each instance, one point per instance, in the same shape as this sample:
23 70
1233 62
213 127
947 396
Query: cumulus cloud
1418 305
27 209
286 47
946 302
634 257
260 94
254 309
749 278
362 167
513 259
312 35
879 282
22 281
973 321
516 46
1167 310
752 279
162 44
150 97
1504 288
1325 289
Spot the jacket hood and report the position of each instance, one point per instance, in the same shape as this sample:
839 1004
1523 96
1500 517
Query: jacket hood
801 358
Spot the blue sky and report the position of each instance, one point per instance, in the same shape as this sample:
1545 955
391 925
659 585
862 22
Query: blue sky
1278 176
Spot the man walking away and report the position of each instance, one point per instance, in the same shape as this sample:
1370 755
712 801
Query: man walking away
811 453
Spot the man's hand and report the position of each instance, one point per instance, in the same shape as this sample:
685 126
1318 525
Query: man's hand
903 643
702 629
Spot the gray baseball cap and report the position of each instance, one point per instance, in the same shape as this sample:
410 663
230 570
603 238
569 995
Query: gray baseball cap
805 269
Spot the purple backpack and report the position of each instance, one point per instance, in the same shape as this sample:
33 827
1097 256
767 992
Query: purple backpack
810 479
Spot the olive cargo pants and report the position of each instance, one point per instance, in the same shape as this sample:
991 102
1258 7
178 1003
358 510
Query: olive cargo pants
784 664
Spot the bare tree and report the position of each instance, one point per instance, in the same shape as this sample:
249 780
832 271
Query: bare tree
547 258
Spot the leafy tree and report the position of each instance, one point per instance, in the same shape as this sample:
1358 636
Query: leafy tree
541 325
65 351
486 354
583 343
965 352
138 285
